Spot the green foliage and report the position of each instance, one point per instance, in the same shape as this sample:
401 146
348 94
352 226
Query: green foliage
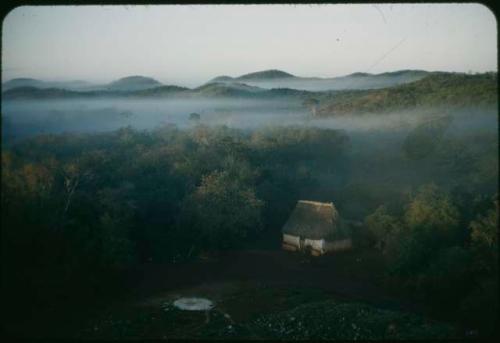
431 224
312 104
423 140
432 209
115 246
440 265
223 210
484 240
381 227
479 309
436 89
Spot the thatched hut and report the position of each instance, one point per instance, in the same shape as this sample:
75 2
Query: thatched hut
317 227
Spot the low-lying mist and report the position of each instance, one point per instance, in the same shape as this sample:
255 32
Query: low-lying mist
398 150
28 118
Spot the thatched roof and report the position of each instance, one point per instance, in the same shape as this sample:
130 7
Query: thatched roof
313 220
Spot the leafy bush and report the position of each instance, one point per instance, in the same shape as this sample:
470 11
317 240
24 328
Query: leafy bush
452 273
223 211
381 227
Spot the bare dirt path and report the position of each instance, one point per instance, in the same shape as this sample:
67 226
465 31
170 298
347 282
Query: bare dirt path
226 278
350 275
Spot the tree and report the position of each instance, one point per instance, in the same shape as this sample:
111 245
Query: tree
223 210
431 224
484 240
381 226
312 104
480 308
431 208
423 140
194 117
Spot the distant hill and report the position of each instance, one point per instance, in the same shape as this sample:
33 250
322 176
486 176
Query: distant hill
130 83
222 78
29 82
220 89
240 90
265 75
25 93
260 75
288 92
42 93
436 89
22 82
279 79
162 91
211 90
360 74
133 83
404 72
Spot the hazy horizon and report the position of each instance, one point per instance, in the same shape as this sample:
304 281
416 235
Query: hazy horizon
189 45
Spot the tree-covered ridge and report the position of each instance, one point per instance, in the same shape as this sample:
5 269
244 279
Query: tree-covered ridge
258 75
437 89
226 90
128 83
135 82
266 74
30 82
210 90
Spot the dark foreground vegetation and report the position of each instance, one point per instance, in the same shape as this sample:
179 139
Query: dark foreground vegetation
80 210
290 313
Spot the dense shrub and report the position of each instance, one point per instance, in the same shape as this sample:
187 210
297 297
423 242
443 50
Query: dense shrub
381 227
451 272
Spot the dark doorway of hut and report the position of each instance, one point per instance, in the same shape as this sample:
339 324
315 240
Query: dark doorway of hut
307 256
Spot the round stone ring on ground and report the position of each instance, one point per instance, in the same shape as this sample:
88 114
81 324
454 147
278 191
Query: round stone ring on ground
193 304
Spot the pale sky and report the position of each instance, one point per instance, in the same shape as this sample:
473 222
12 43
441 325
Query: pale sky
188 45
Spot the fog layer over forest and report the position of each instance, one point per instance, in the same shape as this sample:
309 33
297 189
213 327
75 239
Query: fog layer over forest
31 117
375 154
55 116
